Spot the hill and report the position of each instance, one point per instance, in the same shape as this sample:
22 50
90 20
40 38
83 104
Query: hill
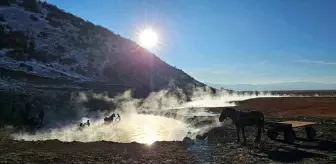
41 41
49 56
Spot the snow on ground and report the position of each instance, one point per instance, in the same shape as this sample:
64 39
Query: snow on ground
19 19
38 68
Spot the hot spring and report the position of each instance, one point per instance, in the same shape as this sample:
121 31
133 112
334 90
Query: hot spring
136 127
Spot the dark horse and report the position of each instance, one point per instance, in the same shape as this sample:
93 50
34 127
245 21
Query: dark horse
242 119
110 118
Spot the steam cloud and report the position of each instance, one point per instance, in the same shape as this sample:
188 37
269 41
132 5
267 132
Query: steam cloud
139 127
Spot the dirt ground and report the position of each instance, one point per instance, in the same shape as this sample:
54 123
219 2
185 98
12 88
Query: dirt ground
219 147
293 106
324 107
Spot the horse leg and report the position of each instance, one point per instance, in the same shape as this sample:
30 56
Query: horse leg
258 135
238 129
262 126
263 129
243 131
262 123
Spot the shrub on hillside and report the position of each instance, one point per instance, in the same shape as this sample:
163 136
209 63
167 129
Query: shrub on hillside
43 56
2 19
5 112
2 33
43 35
25 66
57 13
31 5
9 114
53 22
68 61
79 70
34 18
109 72
5 2
13 39
31 47
17 55
60 49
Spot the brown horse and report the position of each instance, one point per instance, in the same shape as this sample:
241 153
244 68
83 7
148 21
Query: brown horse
242 119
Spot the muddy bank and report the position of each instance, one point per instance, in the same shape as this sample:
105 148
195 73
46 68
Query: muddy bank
54 151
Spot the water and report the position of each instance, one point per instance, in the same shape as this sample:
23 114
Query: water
138 128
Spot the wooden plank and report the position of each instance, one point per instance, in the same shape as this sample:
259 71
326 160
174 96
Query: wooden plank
298 123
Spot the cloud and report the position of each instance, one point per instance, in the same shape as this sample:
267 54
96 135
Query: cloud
307 61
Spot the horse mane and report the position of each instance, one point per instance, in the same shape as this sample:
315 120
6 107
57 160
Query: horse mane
232 112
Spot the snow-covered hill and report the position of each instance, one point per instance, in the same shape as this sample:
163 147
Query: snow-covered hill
38 39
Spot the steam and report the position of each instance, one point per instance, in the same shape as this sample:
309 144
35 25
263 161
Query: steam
224 98
137 127
139 122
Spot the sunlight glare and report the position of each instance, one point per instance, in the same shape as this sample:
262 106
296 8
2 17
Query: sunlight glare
150 136
148 38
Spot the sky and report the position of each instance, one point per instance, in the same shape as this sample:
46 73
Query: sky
229 41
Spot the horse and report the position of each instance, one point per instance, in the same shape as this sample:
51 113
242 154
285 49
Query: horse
87 123
109 119
32 125
118 117
242 119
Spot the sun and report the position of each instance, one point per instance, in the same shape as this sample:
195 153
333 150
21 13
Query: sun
148 38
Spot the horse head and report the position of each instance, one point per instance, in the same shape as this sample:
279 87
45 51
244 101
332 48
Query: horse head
226 112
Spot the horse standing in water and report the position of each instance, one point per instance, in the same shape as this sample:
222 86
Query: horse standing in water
81 125
242 119
110 118
118 117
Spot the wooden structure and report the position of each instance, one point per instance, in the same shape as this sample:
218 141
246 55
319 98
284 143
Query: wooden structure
287 128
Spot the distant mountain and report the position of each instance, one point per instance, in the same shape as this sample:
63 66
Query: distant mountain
277 86
41 44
